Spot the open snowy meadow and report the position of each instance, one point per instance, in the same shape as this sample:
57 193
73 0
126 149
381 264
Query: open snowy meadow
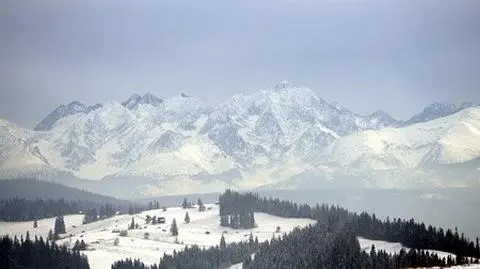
149 242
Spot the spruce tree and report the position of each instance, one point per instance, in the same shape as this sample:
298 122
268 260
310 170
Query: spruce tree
174 228
223 244
59 227
187 218
201 206
50 235
132 225
35 224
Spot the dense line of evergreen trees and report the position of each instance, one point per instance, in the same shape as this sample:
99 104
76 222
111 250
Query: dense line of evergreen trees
37 253
236 210
318 246
129 264
220 256
18 209
105 211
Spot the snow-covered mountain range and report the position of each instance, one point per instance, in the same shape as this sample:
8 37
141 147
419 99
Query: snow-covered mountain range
283 137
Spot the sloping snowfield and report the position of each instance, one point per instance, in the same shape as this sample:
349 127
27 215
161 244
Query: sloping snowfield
100 239
44 226
393 247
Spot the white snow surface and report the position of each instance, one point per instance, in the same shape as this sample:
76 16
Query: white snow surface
393 247
102 253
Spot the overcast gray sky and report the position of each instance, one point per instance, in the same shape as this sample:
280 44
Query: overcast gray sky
397 56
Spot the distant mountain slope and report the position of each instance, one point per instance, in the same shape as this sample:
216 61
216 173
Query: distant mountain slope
447 140
63 111
435 111
33 189
282 136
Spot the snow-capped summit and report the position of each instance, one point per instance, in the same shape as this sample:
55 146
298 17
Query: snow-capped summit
437 110
382 118
64 111
283 84
135 100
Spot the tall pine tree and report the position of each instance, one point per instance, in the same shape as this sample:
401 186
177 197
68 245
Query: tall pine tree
174 228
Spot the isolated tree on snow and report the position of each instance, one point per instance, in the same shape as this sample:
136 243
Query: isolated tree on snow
59 227
50 235
132 225
174 228
164 208
35 224
201 206
187 218
148 219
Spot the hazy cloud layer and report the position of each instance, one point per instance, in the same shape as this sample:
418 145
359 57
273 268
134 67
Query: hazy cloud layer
395 55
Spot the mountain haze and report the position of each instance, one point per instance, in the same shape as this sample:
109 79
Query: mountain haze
282 137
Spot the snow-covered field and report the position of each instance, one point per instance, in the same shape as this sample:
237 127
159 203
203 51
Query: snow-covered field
100 239
393 247
102 252
44 226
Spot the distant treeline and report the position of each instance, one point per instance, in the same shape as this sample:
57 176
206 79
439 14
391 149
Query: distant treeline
18 209
330 243
32 189
37 253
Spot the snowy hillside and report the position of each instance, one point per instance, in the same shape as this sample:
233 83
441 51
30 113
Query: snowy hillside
448 140
282 137
102 251
393 247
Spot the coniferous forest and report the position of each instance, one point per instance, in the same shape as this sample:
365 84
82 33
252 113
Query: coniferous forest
236 210
16 209
330 243
37 253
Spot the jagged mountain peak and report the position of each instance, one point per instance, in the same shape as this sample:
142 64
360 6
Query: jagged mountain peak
151 99
437 110
147 99
75 105
382 118
62 111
